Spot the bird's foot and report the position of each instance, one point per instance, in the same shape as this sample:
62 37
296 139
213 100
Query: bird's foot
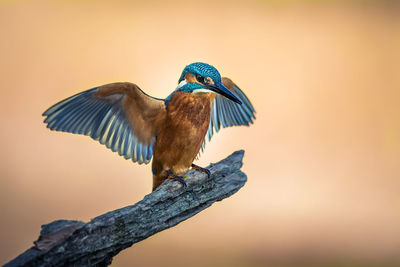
180 179
204 170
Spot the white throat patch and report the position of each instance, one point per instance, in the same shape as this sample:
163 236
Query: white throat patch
202 90
182 83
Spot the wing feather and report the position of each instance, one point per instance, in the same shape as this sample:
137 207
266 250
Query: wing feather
119 115
226 113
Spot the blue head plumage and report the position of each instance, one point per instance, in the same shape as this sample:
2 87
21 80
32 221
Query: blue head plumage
206 78
202 69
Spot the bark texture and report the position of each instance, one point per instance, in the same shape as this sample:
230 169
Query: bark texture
75 243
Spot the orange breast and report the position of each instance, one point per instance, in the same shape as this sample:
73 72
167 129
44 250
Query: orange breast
182 133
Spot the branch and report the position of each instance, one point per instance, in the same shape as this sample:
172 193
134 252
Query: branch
75 243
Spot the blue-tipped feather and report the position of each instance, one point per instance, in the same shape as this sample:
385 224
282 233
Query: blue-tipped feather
121 145
144 153
77 125
111 130
121 134
150 153
138 152
131 148
104 124
117 135
226 113
85 122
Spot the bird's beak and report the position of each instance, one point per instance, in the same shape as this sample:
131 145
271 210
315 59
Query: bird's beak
222 90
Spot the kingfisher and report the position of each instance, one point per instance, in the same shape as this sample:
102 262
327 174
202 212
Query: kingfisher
140 127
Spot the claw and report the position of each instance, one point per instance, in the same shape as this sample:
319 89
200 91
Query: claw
204 170
177 178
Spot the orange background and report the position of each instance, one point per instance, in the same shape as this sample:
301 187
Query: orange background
322 159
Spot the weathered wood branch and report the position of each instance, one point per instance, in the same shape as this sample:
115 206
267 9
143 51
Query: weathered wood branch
75 243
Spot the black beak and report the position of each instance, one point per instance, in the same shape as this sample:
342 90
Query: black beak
222 90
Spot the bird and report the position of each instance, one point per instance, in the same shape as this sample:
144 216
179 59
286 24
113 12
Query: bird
171 131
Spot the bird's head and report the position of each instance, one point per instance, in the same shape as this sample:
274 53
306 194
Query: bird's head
201 77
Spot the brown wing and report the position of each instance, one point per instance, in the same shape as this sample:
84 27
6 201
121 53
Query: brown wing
118 115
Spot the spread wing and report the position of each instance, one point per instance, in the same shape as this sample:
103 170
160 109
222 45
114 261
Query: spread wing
118 115
226 113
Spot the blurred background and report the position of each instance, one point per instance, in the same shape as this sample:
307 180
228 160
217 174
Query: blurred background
322 159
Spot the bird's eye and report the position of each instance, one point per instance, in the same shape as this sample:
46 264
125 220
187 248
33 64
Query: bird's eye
200 78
